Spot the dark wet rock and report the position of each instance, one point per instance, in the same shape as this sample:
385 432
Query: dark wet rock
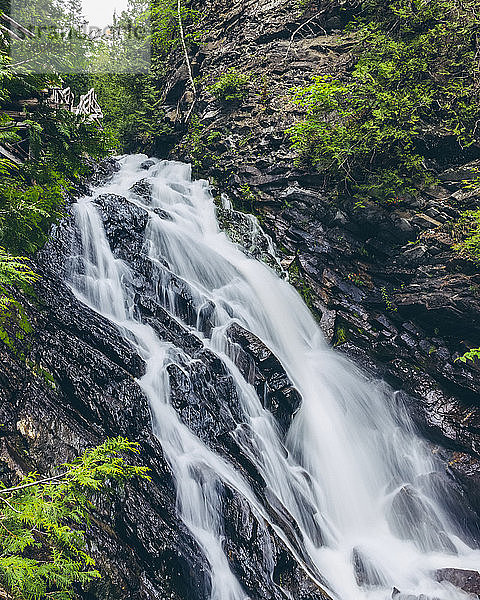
166 326
466 471
403 313
122 219
83 388
103 171
250 542
263 370
369 270
146 164
365 572
163 214
181 301
411 518
142 189
90 375
456 500
206 401
75 388
468 581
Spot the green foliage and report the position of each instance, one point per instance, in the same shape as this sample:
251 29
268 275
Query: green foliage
198 145
473 354
132 103
416 69
469 227
132 111
32 195
42 534
341 335
389 304
230 87
14 271
298 281
56 145
357 279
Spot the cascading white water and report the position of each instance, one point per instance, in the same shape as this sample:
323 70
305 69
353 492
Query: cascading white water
350 435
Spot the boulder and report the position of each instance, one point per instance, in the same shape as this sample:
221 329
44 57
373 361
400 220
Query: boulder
468 581
411 518
263 370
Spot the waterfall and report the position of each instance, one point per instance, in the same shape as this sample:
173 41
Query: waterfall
350 452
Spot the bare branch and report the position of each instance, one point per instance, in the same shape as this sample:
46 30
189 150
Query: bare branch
11 33
300 28
17 25
32 483
187 59
9 505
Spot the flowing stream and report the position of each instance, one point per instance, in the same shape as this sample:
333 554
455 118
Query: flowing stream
369 475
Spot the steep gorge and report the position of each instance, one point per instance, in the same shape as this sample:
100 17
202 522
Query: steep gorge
79 377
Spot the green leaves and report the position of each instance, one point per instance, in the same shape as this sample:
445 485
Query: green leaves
473 354
467 231
32 195
15 270
231 86
42 538
415 70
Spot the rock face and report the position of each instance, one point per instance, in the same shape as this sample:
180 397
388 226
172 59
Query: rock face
384 281
468 581
72 382
262 369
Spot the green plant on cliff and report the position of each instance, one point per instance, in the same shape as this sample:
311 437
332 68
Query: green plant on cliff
469 227
416 72
42 523
32 195
50 156
473 354
231 86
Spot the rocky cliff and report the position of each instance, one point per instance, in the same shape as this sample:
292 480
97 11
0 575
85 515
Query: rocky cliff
384 282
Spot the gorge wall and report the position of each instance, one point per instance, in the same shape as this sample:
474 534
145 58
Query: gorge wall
384 282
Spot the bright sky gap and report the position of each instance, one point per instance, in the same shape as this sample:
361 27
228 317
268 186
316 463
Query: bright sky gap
99 12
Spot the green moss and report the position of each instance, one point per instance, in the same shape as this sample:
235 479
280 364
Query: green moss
301 285
14 318
39 371
198 143
389 305
341 335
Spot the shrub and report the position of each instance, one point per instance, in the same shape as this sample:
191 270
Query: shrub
415 70
231 86
469 228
